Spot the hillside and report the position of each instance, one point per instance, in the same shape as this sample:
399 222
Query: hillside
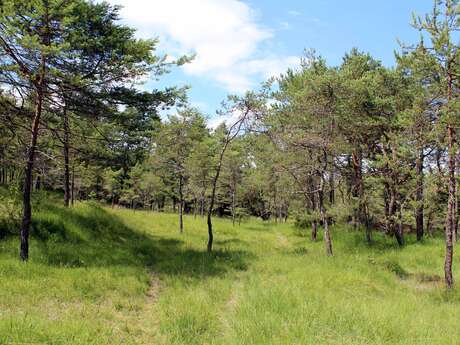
103 276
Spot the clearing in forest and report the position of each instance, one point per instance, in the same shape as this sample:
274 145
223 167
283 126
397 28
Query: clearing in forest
102 276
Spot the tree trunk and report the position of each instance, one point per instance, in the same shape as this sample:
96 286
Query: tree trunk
37 183
332 184
213 197
312 203
181 206
419 196
367 225
450 209
399 232
429 224
314 231
456 218
67 195
358 186
327 235
233 207
211 207
27 207
73 185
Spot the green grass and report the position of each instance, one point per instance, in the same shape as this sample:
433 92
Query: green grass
102 276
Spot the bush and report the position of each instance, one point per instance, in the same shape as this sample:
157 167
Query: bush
304 220
10 211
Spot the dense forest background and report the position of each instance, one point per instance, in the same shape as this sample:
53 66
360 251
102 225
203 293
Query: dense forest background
362 144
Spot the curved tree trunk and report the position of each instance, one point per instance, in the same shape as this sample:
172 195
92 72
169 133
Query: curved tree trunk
27 207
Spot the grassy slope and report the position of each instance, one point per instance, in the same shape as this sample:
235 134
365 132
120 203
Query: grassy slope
99 276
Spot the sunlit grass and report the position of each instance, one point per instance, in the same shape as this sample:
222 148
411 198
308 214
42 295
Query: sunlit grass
103 276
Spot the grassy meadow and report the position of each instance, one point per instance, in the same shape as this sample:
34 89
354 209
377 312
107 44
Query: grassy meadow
103 276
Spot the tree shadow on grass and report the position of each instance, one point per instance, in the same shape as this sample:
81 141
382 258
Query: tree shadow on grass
89 236
381 242
350 240
230 241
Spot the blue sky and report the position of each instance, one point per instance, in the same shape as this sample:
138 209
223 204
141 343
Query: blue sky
239 43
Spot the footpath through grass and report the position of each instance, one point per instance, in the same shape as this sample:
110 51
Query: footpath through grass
102 276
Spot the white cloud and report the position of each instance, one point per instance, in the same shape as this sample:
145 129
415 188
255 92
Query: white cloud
285 25
229 119
224 34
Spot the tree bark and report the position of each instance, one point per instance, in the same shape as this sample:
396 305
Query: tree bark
367 225
450 209
361 216
73 185
27 207
211 203
332 183
213 196
181 206
28 173
314 230
399 231
67 193
419 196
327 235
233 207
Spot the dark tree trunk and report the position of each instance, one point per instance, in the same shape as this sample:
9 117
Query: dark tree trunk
332 184
314 231
391 224
27 207
399 232
37 183
231 134
450 209
233 207
368 225
456 218
73 185
181 206
211 203
213 196
358 186
419 196
327 235
202 206
312 202
67 193
429 224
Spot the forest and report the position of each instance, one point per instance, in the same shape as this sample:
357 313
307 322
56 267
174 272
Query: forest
108 188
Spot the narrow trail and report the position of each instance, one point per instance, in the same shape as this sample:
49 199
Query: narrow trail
142 319
153 290
282 241
230 307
